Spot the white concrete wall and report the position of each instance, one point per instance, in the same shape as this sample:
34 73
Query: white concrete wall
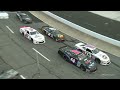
115 15
84 30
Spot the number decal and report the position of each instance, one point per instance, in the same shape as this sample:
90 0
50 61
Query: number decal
26 35
73 60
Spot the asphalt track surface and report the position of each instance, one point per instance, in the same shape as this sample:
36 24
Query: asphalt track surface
93 22
16 52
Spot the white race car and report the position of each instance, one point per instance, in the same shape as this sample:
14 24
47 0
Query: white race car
4 15
99 56
32 34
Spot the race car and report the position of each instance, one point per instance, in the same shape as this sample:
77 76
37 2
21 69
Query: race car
4 15
78 58
10 74
32 34
99 56
53 33
23 17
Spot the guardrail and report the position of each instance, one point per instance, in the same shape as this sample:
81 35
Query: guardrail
84 30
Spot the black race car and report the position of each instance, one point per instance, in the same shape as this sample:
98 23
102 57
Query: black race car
23 17
78 58
53 33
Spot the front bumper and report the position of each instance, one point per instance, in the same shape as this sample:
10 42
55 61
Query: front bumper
91 70
39 42
105 63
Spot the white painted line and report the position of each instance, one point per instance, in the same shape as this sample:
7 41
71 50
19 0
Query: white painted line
40 54
10 29
22 77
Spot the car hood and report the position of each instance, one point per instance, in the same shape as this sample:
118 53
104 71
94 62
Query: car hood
92 67
27 19
3 14
102 56
38 37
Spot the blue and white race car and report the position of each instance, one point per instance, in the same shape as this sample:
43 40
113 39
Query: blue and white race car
99 56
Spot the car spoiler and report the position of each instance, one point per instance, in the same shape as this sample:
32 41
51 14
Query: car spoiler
63 46
43 27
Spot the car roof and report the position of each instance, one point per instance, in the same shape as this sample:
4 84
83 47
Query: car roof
8 74
75 51
91 47
79 54
22 13
29 28
51 28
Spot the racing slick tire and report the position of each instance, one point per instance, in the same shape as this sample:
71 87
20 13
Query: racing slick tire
22 33
59 52
97 60
65 58
56 40
51 35
82 68
32 40
44 32
25 22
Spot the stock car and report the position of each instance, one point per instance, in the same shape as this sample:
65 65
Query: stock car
11 74
23 17
32 34
78 58
4 15
99 56
53 33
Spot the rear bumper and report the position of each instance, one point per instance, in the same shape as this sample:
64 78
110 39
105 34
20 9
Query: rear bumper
91 70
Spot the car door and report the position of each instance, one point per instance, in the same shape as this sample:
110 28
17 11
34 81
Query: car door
52 33
71 58
47 31
78 63
67 54
29 35
26 34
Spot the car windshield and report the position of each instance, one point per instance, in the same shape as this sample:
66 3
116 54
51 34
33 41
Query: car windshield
24 15
95 51
56 32
35 32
